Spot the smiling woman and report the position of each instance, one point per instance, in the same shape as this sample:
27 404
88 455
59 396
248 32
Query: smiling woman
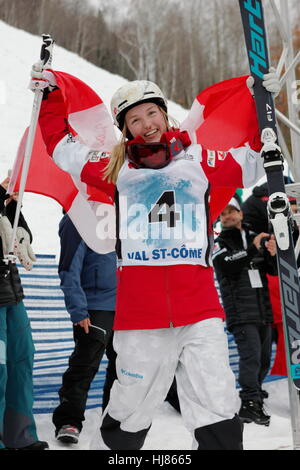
146 120
167 305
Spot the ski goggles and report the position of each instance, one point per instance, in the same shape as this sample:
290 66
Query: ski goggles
149 155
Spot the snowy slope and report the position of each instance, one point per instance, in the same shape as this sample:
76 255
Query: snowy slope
18 51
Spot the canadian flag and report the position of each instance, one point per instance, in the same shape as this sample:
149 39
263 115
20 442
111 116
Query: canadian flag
90 209
222 116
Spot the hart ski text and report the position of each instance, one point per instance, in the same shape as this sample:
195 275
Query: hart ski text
258 53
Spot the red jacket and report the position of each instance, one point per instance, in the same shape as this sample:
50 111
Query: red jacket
164 296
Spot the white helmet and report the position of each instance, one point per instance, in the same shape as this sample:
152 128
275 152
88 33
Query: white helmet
133 93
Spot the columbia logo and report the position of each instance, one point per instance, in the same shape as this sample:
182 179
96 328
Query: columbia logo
132 374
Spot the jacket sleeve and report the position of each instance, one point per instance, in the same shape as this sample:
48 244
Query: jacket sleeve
239 167
230 262
10 211
68 153
74 295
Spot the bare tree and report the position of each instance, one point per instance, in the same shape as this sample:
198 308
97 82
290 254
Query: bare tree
143 37
183 46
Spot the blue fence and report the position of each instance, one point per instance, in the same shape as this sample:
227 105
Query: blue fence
53 336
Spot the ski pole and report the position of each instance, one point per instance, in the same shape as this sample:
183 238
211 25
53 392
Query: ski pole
45 59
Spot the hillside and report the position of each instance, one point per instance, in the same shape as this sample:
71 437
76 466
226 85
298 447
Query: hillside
19 50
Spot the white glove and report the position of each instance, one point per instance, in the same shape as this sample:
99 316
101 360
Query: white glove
41 78
5 233
24 250
270 82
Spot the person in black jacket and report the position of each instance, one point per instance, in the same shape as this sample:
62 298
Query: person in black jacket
256 215
241 260
17 425
255 210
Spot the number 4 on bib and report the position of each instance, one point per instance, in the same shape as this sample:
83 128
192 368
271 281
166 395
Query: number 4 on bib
164 210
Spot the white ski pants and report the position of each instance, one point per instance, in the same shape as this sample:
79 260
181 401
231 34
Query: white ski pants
147 361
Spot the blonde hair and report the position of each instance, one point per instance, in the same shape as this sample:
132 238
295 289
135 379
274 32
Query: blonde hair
117 159
118 154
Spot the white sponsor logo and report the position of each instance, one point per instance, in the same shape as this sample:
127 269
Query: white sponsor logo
211 158
221 155
96 156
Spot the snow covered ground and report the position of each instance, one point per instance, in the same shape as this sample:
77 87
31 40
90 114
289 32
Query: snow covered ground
18 51
168 431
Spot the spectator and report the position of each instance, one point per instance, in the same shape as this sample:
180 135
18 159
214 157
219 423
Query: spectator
241 260
17 425
88 281
256 215
255 209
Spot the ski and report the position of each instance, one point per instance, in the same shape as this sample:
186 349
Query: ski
278 204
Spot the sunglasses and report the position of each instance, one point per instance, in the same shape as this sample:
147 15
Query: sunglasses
149 155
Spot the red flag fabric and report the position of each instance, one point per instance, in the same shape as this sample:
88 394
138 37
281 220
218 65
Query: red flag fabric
85 205
279 366
223 116
44 176
87 114
229 116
